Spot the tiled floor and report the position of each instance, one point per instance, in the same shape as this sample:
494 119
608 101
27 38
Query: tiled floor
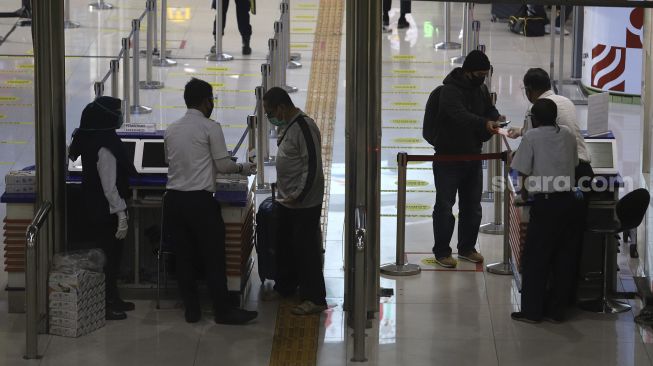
437 317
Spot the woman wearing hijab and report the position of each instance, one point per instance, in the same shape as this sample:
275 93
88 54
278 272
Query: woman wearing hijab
105 185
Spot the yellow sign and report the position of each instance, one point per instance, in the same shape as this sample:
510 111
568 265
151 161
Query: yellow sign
26 66
16 123
13 142
18 82
415 183
404 86
8 99
217 68
299 45
404 104
430 261
418 207
407 140
303 30
404 121
404 71
2 116
179 14
217 85
403 57
306 6
305 17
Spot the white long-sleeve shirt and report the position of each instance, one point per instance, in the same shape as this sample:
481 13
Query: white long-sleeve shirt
106 167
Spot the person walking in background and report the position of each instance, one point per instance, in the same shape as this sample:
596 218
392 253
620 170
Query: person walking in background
242 17
404 8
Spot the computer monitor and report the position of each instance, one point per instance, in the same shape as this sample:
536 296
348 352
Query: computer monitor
153 158
129 144
603 153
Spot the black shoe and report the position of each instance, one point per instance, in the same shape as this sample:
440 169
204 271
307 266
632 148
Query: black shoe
235 316
402 23
192 316
521 317
113 314
247 50
121 305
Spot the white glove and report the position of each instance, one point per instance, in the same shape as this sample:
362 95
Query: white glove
248 169
123 226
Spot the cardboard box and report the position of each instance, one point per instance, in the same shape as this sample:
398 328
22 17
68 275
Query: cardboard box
20 188
25 177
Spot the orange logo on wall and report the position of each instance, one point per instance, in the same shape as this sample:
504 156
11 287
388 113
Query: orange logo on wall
634 32
610 67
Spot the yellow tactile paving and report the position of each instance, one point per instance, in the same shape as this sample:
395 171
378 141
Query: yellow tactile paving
295 337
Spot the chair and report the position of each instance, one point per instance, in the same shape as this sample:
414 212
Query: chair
629 212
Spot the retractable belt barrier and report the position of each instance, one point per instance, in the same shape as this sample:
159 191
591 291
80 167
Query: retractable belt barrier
401 267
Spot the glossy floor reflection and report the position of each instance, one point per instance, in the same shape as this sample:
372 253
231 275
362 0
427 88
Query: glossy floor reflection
436 317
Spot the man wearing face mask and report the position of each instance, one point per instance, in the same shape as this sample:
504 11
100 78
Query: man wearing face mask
300 182
105 185
196 152
466 117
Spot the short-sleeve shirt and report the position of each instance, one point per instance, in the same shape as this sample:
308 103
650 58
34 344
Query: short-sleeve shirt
549 158
192 143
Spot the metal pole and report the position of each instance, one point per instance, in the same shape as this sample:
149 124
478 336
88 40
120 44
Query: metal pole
218 55
264 128
114 66
504 268
553 44
294 57
282 54
163 60
447 44
101 5
476 34
465 45
561 53
251 136
262 140
401 267
98 87
136 107
495 227
125 80
360 307
577 46
155 28
31 301
151 20
68 24
272 62
291 58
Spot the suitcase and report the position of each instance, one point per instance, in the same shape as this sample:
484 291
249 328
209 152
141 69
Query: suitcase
502 12
267 224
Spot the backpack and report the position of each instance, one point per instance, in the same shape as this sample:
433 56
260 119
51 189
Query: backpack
429 125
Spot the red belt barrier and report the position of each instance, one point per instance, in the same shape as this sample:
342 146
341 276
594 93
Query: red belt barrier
467 157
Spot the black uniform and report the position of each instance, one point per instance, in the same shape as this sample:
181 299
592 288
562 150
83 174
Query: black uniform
242 17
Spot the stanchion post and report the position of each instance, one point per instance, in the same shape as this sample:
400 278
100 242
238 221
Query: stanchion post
504 267
218 55
155 29
251 135
98 87
447 44
68 24
282 54
262 139
476 34
495 227
360 306
136 108
101 5
401 267
163 60
114 66
553 44
561 52
125 79
291 58
151 20
272 61
465 45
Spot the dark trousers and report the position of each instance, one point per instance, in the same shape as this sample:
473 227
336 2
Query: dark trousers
300 254
404 8
103 231
193 224
466 179
549 261
242 17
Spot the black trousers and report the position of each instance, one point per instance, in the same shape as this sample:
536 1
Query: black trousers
549 261
300 254
464 178
242 17
193 224
404 8
102 231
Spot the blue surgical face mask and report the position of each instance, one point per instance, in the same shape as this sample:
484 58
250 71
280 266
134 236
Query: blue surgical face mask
277 122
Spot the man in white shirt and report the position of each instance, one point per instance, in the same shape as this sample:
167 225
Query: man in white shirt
537 85
196 152
546 160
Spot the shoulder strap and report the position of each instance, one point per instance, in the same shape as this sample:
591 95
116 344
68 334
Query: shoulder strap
312 158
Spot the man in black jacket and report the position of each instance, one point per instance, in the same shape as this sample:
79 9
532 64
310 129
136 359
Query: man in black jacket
465 119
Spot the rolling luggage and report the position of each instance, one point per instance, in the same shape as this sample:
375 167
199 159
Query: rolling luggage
502 12
267 224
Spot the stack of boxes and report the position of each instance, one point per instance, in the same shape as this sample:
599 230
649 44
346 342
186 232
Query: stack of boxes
77 303
20 181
